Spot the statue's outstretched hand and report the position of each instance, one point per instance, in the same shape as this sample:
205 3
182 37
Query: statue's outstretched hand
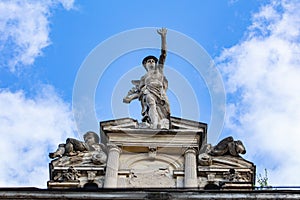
162 31
126 100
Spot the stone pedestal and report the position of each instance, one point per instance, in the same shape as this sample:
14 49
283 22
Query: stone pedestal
152 157
139 157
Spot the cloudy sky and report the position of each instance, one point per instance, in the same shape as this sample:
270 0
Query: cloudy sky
46 46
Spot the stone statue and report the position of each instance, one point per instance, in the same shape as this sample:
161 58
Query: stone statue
151 89
227 146
74 147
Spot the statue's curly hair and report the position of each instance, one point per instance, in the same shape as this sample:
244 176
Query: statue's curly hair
95 135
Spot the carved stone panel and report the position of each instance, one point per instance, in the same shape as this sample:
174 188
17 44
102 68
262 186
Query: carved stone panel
144 170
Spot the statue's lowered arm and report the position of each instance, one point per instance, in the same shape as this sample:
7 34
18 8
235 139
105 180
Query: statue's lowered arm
133 93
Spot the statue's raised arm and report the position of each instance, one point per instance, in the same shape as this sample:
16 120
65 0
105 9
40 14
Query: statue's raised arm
163 33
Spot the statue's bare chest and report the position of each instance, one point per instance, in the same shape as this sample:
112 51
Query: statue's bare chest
153 76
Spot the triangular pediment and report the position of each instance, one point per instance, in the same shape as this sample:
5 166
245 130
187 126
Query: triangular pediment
176 123
228 161
120 123
178 126
180 123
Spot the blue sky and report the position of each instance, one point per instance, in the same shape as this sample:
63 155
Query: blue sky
254 45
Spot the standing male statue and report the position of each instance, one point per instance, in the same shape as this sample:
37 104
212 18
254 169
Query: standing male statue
151 89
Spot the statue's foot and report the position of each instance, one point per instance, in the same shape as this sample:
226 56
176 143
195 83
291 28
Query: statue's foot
144 125
164 124
51 155
54 155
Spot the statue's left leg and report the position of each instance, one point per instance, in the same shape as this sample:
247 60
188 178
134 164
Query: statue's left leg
152 111
59 152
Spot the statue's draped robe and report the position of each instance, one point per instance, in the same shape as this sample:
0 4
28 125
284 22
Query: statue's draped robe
158 91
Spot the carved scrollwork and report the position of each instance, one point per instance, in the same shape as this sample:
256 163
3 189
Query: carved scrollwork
71 174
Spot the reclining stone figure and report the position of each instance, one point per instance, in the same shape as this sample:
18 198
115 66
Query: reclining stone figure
227 146
73 147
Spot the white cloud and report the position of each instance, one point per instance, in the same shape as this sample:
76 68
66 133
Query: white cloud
67 4
30 129
262 75
24 30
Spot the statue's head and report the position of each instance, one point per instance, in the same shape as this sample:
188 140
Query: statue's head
90 135
149 62
239 147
